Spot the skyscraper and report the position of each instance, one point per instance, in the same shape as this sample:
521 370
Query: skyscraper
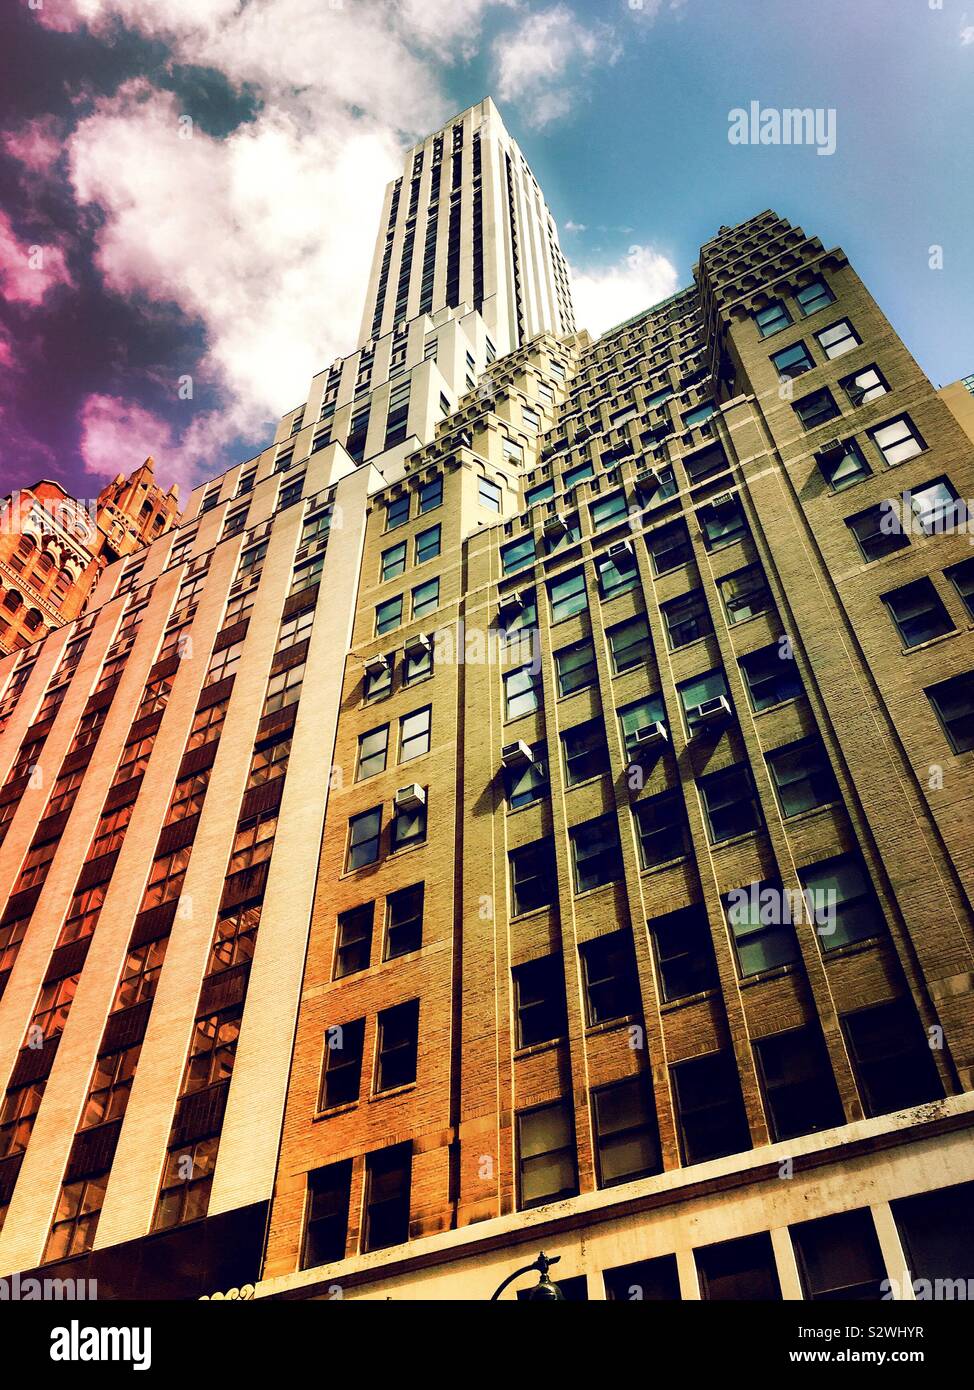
524 805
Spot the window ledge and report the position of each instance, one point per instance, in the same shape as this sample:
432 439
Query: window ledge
800 817
739 839
536 1049
611 1025
673 1004
931 642
666 864
392 1091
775 972
851 948
333 1110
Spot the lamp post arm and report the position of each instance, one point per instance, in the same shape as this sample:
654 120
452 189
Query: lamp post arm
527 1269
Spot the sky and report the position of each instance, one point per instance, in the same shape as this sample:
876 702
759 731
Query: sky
190 189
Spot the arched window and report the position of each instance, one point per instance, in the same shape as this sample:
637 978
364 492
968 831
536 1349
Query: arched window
33 620
24 551
64 581
13 601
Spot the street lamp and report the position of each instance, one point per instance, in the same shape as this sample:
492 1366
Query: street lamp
544 1290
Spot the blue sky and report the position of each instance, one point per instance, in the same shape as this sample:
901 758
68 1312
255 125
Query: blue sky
218 258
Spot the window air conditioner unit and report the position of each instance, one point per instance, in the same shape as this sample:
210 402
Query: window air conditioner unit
647 483
417 645
649 736
509 605
378 663
620 550
411 798
832 448
555 525
715 711
516 754
723 499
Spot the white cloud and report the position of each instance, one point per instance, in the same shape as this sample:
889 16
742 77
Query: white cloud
607 295
571 226
542 63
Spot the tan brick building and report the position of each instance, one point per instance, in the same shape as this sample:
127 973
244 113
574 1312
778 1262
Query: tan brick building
627 689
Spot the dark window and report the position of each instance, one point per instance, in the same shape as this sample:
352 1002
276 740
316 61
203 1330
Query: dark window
745 594
617 574
595 853
937 1231
354 947
586 751
722 524
397 512
387 1183
799 1086
710 1110
841 901
815 409
326 1231
684 952
404 921
687 618
839 1258
918 612
394 561
878 531
663 831
791 362
730 803
772 319
630 644
761 921
528 781
342 1075
567 596
669 546
655 1280
802 776
891 1057
576 667
953 702
814 296
388 615
843 466
533 882
739 1269
547 1168
539 994
611 982
397 1045
626 1136
771 676
962 578
364 832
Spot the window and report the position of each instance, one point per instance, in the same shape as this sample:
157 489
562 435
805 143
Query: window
409 826
573 476
76 1218
528 781
730 803
140 974
687 618
698 415
223 663
865 385
284 688
414 734
617 572
935 1228
608 511
388 615
684 953
111 828
771 677
81 919
364 831
17 1116
306 574
397 512
891 1057
654 1280
838 339
342 1075
611 982
547 1168
669 546
839 1258
533 882
404 921
488 493
212 1051
663 831
625 1131
234 938
326 1223
294 630
814 296
586 752
316 527
567 596
522 692
575 666
937 507
431 494
918 612
841 901
898 440
517 554
372 749
723 524
596 855
427 545
541 493
745 593
802 776
290 493
815 409
513 453
250 563
378 680
569 532
772 319
387 1183
417 663
166 878
539 1001
393 561
426 597
629 644
636 718
962 578
398 1039
799 1087
844 466
353 946
710 1114
739 1270
36 864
